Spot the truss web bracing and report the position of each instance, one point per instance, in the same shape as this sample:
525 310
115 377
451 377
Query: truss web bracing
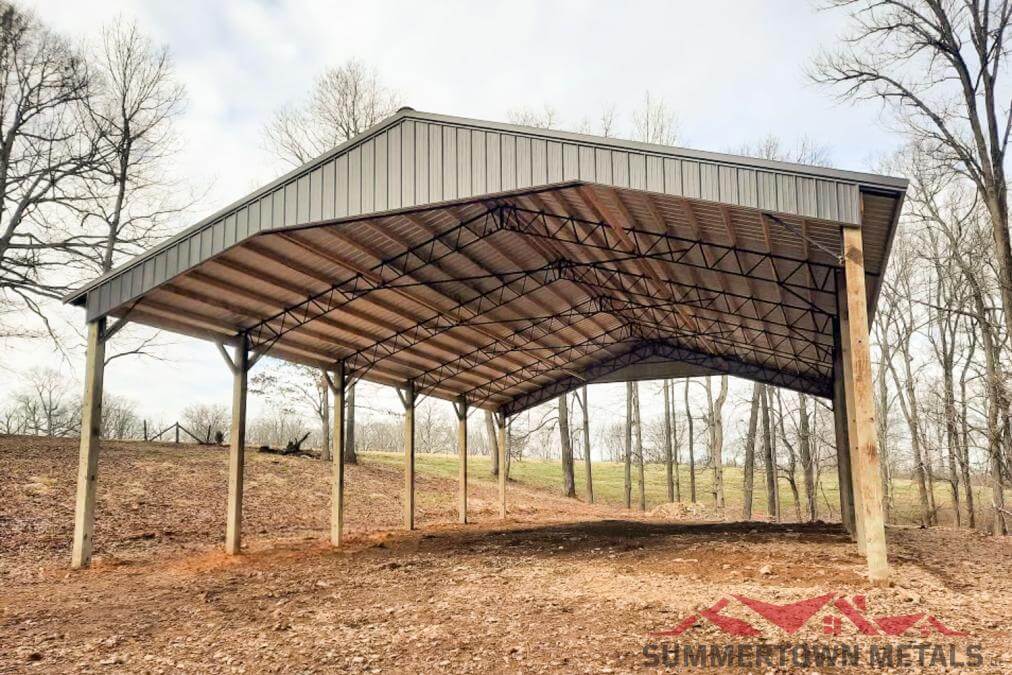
496 298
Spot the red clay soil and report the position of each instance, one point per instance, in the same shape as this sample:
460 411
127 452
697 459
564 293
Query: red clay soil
561 586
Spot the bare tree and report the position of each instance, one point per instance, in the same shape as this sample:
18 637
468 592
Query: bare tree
750 441
345 101
47 148
134 111
207 421
546 118
939 66
566 440
669 464
627 457
46 404
715 423
654 123
691 444
586 443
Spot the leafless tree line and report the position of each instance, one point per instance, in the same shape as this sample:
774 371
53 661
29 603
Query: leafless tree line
85 133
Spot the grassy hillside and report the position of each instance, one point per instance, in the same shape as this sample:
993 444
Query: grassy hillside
608 485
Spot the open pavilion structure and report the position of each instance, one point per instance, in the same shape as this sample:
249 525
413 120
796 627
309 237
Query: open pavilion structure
499 266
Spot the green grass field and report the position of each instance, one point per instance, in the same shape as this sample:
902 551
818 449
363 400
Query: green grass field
608 486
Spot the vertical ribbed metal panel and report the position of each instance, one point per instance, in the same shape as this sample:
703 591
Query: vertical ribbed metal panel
408 164
341 186
355 182
421 163
464 176
690 179
766 188
850 203
787 194
673 177
655 173
450 163
709 182
807 200
394 184
728 177
435 169
746 187
316 194
302 200
828 207
539 161
508 144
368 177
524 163
493 162
554 150
620 168
570 162
602 166
478 163
637 171
588 167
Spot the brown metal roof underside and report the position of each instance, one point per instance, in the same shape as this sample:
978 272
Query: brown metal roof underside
511 299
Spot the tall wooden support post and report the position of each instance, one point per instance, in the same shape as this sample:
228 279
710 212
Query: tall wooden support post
846 376
501 422
408 399
864 440
337 384
460 406
237 447
91 426
841 422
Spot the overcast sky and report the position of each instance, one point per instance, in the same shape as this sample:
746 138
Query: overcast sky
731 70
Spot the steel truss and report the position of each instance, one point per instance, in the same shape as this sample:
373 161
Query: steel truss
796 327
803 279
385 274
672 351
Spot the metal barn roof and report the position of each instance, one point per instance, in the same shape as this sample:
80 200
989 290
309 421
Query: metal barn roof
508 264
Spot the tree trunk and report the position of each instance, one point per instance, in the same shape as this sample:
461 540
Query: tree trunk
350 455
586 448
717 442
805 445
749 470
493 442
911 411
674 441
325 420
964 444
568 480
637 419
668 458
628 444
692 450
772 506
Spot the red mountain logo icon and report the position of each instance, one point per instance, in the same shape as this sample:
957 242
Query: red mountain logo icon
792 616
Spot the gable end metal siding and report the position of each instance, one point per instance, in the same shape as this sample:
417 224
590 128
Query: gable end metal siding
412 162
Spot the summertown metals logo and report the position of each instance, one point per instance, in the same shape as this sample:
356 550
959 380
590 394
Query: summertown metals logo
840 610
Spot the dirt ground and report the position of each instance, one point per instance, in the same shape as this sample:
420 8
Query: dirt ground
561 586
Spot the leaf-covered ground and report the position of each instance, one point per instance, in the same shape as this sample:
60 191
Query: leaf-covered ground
561 586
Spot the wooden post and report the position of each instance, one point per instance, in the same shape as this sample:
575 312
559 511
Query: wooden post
91 427
857 356
460 406
841 423
408 399
177 433
337 440
846 373
501 421
237 448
